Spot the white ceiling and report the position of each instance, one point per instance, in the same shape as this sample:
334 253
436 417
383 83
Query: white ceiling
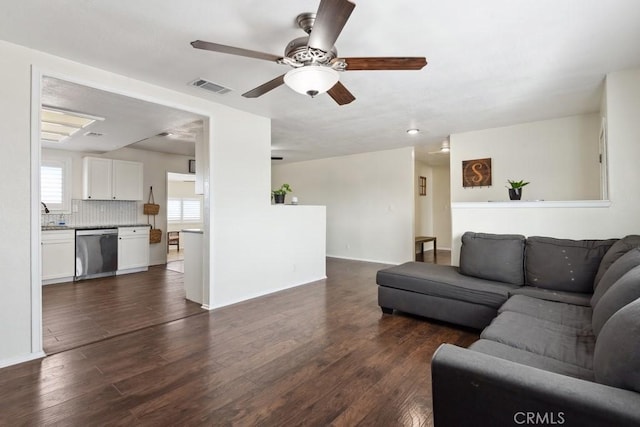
127 121
491 62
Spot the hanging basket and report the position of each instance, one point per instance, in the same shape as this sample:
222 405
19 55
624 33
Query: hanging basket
155 235
151 208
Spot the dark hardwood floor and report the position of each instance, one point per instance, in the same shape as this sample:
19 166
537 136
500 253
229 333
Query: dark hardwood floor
319 354
80 313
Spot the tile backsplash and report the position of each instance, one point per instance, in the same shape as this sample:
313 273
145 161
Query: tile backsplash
97 212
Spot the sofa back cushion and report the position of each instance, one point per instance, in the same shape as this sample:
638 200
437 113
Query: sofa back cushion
563 264
618 269
498 257
616 358
624 291
618 249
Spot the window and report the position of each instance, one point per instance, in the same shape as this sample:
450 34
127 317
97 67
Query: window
55 184
184 210
174 210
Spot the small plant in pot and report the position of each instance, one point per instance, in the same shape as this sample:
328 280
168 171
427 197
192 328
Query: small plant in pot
279 194
515 191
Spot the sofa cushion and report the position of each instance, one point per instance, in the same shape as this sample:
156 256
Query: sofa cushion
618 249
618 269
563 264
443 281
497 257
624 291
549 339
616 361
551 295
524 357
574 316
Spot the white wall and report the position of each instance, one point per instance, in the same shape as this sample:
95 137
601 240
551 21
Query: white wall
239 197
442 206
616 220
242 218
369 199
15 188
558 157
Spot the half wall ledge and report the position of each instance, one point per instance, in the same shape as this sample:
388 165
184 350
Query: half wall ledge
532 204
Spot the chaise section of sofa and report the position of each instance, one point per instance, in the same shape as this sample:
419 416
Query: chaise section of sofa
440 292
470 295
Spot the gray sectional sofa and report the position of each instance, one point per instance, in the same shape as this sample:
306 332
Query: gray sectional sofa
561 337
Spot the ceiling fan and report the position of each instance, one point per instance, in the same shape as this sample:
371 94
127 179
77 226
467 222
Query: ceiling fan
444 148
314 58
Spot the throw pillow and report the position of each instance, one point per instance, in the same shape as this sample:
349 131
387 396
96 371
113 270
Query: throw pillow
496 257
564 264
623 292
616 359
618 269
618 249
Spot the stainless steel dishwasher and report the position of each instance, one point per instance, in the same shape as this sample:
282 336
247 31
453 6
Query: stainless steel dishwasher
96 253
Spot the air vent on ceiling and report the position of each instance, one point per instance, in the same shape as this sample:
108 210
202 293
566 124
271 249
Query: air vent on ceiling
210 86
93 134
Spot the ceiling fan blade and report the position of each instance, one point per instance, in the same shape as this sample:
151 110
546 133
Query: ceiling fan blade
215 47
340 94
331 17
382 63
264 88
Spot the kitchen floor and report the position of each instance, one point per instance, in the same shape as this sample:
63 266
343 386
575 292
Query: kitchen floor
88 311
175 260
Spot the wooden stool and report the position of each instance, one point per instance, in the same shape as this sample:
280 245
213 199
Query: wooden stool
421 240
173 238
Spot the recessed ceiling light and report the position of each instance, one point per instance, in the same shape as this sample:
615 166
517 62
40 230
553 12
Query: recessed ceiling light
413 131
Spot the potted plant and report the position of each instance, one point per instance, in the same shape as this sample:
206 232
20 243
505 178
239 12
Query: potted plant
515 191
279 194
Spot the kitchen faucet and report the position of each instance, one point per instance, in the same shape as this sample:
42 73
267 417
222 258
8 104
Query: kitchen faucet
46 209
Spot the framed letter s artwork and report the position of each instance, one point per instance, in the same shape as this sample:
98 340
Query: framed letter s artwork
476 173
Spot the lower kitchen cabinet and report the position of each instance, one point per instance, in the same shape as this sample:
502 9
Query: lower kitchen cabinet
58 256
133 249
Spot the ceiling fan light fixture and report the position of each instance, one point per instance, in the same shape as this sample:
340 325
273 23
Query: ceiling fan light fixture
311 79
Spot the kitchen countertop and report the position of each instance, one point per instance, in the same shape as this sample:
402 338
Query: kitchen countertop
192 230
89 227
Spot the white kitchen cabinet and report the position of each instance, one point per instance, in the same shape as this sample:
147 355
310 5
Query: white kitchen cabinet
58 256
97 178
133 249
109 179
127 180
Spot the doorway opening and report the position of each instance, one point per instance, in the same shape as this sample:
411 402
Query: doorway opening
129 129
432 206
184 211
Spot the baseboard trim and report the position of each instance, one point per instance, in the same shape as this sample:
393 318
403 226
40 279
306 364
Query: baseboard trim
375 261
21 359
